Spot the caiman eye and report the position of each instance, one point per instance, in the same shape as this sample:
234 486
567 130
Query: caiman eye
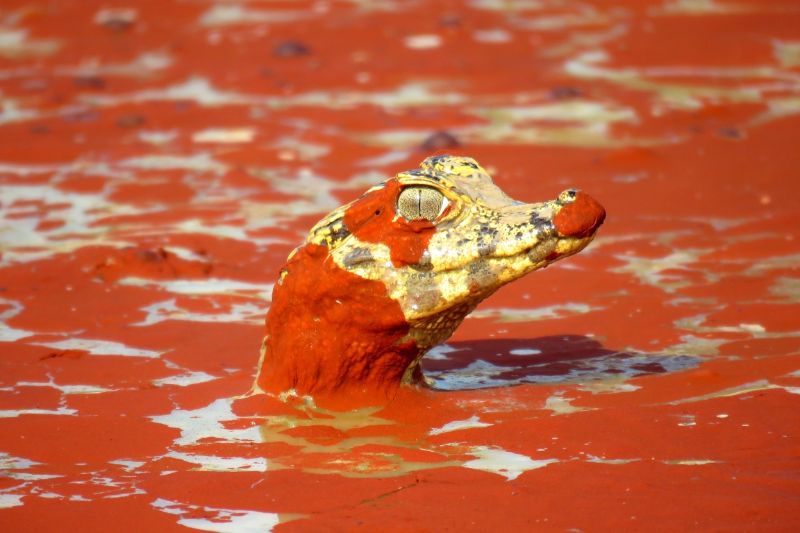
416 203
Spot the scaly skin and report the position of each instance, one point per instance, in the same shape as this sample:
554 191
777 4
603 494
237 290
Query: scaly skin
358 305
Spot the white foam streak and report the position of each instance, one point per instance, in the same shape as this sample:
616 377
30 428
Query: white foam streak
224 520
100 347
456 425
503 463
206 423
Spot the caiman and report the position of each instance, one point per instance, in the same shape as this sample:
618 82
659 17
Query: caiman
383 279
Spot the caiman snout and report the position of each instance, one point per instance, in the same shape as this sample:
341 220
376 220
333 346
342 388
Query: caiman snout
580 214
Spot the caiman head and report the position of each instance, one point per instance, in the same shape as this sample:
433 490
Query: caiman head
384 278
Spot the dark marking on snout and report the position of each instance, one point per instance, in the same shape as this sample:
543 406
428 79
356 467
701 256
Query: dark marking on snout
486 249
339 233
538 221
358 256
487 230
544 227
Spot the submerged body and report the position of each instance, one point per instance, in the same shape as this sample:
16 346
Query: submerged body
385 278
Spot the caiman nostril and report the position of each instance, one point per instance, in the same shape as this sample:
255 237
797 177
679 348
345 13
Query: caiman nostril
581 217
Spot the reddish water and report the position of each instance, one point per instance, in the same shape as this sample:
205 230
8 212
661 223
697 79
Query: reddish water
157 164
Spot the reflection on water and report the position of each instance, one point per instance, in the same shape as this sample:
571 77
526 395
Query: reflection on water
557 359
